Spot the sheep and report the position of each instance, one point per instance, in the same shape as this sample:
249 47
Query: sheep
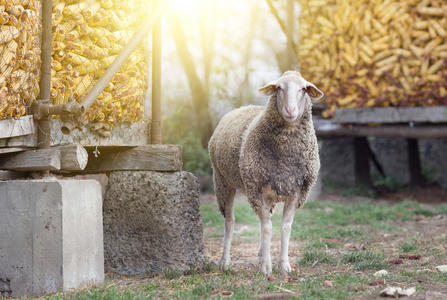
269 153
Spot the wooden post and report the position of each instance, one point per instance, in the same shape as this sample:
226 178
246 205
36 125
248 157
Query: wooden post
156 136
290 30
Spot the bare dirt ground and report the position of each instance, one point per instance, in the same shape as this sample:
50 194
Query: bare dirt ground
429 232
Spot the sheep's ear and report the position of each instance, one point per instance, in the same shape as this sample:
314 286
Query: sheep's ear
268 90
314 93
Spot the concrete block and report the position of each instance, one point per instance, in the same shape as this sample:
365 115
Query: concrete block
152 222
51 235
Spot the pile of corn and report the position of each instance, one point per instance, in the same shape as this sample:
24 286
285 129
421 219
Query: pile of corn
19 55
364 53
87 37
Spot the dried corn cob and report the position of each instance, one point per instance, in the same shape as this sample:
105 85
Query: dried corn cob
381 53
19 55
101 30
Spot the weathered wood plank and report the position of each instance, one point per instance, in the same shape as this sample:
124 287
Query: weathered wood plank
29 141
140 158
17 127
434 114
11 150
32 160
328 129
73 157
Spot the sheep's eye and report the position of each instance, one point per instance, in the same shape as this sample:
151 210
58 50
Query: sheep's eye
278 88
304 89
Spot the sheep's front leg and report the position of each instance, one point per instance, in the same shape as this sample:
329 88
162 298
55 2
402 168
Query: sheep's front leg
228 231
266 237
286 227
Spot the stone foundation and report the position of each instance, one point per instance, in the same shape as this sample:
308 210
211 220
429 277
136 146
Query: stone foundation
152 222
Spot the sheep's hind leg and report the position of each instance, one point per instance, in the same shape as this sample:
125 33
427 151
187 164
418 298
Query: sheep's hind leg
286 227
229 227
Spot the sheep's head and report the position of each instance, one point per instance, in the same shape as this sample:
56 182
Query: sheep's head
292 92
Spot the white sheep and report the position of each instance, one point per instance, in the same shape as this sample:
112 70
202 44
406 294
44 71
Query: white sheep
270 154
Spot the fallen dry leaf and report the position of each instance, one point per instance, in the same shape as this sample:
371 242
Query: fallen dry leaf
395 292
410 256
271 278
293 279
354 246
292 265
237 284
380 273
442 268
377 282
395 261
328 283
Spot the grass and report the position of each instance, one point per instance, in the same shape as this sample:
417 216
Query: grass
381 227
366 260
313 258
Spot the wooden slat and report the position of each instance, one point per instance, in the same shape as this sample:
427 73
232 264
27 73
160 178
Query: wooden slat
16 127
29 141
328 129
435 114
11 150
32 160
140 158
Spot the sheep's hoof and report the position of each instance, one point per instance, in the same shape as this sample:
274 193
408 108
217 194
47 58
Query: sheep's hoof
285 268
266 267
224 264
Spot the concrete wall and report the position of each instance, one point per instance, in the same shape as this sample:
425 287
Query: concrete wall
51 235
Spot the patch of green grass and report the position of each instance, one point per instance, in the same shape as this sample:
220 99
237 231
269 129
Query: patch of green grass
363 260
100 292
408 247
172 274
315 257
243 213
211 216
321 245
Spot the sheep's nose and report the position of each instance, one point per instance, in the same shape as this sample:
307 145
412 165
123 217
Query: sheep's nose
291 110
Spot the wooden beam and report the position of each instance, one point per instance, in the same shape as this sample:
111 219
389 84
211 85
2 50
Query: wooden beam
73 157
17 127
433 114
140 158
329 129
32 160
63 158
